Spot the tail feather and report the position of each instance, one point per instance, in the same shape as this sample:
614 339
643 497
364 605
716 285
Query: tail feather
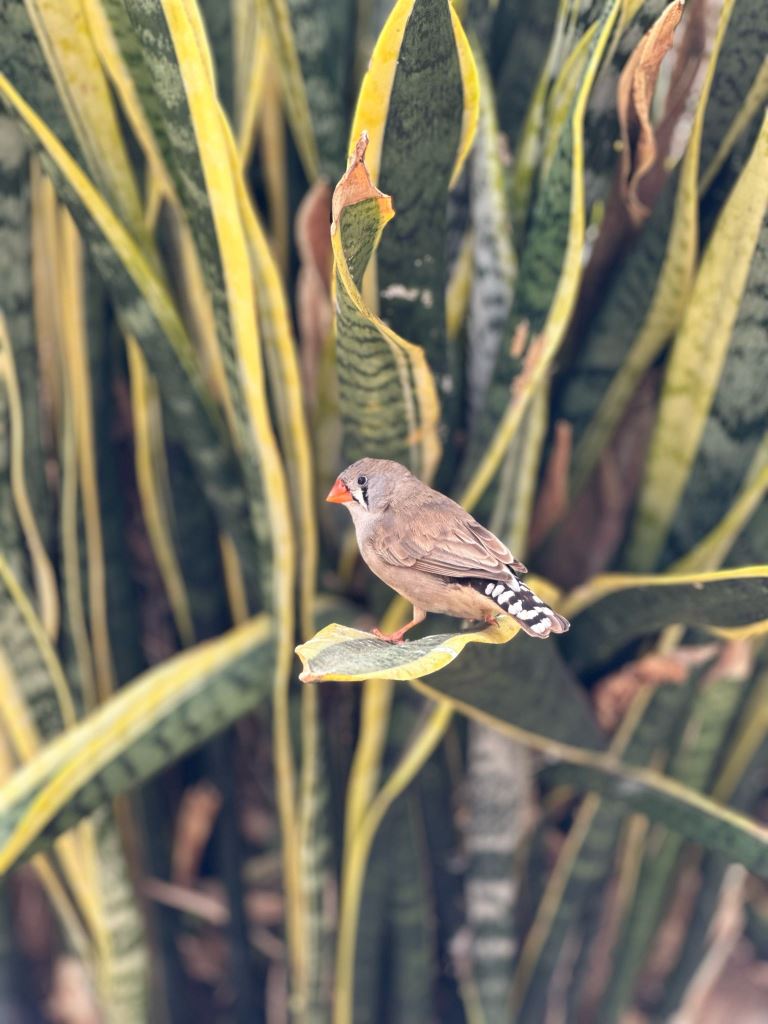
518 600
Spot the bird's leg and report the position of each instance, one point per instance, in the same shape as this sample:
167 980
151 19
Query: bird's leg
397 636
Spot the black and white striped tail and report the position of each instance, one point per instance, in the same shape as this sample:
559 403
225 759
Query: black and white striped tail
519 601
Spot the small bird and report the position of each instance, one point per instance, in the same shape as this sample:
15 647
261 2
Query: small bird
432 552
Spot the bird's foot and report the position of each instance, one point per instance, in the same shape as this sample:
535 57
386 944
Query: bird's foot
389 638
491 619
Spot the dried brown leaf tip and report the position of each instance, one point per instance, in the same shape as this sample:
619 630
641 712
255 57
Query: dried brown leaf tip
614 693
639 146
356 184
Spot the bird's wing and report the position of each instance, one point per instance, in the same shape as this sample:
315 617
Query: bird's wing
442 539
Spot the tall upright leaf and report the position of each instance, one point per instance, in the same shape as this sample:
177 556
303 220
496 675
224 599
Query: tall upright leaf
388 400
698 355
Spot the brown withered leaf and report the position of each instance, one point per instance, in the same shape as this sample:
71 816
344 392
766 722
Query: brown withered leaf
195 819
634 96
519 340
552 499
613 694
355 184
72 999
208 906
586 540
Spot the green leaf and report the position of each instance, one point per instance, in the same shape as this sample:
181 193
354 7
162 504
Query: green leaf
38 705
388 399
612 610
494 263
693 815
531 29
500 799
147 310
743 795
697 358
16 303
23 62
644 302
712 550
350 655
277 17
321 32
547 283
21 534
733 445
642 790
210 192
525 685
738 70
220 28
692 761
584 864
432 99
359 843
164 713
82 85
409 899
393 947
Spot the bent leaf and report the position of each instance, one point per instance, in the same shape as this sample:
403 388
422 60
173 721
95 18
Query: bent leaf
146 309
694 816
734 439
652 290
524 689
644 790
613 610
424 124
351 655
389 404
697 358
635 95
167 711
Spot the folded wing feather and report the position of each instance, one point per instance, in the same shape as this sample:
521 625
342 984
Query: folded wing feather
445 542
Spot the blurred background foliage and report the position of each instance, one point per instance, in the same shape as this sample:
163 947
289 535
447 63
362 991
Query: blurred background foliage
564 325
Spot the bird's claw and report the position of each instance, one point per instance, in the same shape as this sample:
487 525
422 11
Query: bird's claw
388 638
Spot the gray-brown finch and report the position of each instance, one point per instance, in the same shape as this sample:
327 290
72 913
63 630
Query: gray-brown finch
433 553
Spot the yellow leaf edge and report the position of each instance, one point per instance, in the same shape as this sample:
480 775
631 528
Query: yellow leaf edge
610 583
422 665
376 88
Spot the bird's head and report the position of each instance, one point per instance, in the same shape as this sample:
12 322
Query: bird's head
367 485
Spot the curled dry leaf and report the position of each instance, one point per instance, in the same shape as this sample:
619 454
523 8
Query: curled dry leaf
207 906
197 814
634 95
614 693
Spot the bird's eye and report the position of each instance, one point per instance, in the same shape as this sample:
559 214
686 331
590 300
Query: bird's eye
362 481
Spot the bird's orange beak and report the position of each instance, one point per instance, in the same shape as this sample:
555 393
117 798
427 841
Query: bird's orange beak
339 493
